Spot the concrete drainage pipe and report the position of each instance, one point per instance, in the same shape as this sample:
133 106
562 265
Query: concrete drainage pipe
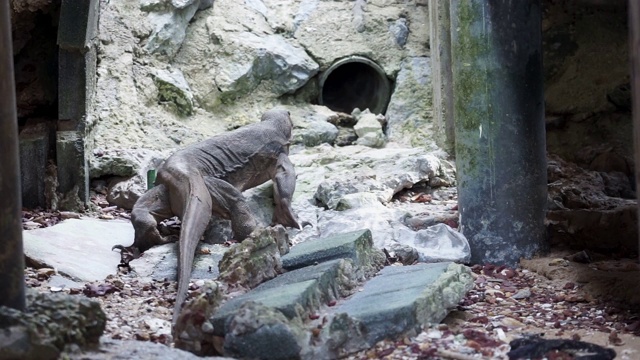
355 82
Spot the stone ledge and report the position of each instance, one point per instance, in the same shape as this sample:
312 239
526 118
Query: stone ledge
294 294
355 245
309 308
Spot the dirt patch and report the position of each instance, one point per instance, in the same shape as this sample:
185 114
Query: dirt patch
551 297
607 280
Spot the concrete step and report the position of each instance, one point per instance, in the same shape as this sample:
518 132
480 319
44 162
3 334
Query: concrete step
295 294
327 272
354 245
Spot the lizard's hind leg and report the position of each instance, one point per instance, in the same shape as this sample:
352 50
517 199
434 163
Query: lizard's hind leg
229 203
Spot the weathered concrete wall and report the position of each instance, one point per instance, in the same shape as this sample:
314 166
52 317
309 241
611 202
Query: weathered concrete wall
35 53
33 25
587 97
588 119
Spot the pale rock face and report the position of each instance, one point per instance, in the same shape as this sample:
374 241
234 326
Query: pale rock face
263 58
170 20
174 72
410 109
237 59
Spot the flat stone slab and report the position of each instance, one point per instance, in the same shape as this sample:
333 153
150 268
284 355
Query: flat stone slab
342 246
161 262
79 248
303 289
403 298
63 282
111 349
324 273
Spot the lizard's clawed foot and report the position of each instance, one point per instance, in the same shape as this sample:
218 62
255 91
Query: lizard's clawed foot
127 253
230 242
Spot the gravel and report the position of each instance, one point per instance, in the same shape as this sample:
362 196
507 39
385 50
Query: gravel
505 304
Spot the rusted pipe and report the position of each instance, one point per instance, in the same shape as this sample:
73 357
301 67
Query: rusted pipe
355 82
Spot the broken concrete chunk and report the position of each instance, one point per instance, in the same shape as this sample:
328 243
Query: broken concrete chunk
369 129
161 262
343 336
396 302
312 125
260 332
355 245
281 237
333 193
125 162
336 279
256 259
405 254
358 200
380 172
191 332
48 324
124 193
16 342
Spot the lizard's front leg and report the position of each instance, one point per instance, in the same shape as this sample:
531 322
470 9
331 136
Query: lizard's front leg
151 208
284 184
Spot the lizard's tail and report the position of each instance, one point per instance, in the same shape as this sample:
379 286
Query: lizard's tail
195 218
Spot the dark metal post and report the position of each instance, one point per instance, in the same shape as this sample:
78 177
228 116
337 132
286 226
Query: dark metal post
440 37
499 126
634 41
12 286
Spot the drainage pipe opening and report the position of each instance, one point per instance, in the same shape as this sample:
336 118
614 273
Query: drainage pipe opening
355 82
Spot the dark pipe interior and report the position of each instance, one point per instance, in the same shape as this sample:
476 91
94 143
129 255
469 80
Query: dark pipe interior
353 85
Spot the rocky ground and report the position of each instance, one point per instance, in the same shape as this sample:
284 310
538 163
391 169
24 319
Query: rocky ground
564 295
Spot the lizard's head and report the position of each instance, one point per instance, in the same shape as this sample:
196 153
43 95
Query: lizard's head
281 117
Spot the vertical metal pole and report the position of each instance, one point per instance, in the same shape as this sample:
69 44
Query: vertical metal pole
500 145
634 47
440 37
12 285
